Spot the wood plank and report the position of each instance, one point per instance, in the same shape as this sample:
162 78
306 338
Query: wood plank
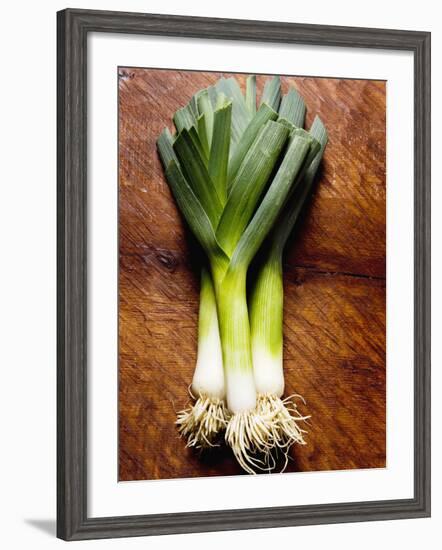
334 280
345 228
334 355
334 329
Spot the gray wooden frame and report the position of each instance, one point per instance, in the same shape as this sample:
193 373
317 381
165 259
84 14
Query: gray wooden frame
73 27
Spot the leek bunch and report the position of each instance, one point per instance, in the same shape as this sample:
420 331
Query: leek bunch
240 174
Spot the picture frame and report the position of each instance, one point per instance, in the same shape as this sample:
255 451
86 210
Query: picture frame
73 27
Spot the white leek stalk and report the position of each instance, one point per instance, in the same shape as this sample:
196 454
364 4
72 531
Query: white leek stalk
202 423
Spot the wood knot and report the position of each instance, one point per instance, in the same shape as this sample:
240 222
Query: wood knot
125 74
167 260
298 277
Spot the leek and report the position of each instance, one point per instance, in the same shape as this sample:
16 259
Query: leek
249 432
201 423
266 313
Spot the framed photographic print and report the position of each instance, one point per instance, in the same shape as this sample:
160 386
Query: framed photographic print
243 274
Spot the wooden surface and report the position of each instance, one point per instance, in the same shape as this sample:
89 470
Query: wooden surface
334 321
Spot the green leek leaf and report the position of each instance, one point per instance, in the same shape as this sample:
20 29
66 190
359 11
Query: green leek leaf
272 203
205 108
292 108
193 106
251 94
291 212
264 114
272 93
249 184
213 95
219 153
165 148
202 136
195 171
202 149
184 118
195 215
240 114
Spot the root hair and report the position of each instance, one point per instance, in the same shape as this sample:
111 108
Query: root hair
202 423
286 423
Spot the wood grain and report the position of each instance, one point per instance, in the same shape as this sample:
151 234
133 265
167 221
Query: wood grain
334 284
